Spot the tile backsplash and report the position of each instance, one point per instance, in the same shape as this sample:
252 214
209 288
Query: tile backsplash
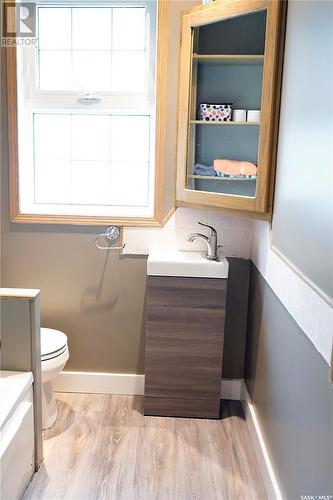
234 233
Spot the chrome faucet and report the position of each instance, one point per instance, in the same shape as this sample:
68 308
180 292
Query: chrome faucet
210 240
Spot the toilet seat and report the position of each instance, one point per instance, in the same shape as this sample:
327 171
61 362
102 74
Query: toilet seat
53 343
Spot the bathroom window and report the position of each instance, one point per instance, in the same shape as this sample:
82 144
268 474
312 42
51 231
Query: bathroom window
86 113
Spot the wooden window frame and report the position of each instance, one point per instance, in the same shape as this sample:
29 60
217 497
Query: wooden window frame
160 217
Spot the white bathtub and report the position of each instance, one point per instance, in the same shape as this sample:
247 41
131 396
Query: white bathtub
16 433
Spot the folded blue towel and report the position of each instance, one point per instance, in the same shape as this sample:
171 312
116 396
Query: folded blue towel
202 169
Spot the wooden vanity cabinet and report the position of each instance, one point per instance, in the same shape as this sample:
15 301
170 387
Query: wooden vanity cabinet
184 346
231 54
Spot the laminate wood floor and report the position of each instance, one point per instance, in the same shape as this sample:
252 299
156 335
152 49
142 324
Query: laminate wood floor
102 447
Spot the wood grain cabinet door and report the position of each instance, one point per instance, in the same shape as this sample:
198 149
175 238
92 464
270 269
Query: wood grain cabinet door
184 337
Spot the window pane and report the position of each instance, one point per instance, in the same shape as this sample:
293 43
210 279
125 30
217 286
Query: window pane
54 70
54 28
92 70
129 184
92 28
52 181
52 135
129 28
92 159
130 138
90 182
128 71
92 48
90 137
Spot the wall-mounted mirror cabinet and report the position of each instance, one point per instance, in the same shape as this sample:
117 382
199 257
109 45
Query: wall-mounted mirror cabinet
231 60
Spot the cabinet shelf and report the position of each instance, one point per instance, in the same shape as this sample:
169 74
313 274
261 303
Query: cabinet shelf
228 58
203 122
217 178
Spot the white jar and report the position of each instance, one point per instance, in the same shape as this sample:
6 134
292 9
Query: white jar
253 115
239 115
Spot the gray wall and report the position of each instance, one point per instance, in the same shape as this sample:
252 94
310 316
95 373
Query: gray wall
288 383
303 205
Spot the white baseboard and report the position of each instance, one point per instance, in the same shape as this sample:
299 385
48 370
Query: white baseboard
123 383
231 388
99 383
271 484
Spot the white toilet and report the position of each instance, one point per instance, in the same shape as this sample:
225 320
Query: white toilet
54 351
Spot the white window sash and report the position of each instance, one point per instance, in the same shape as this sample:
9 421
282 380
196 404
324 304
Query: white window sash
32 100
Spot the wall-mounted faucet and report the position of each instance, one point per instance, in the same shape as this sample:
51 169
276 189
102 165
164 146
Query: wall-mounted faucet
210 240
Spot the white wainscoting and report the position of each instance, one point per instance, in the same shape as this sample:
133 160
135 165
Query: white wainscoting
312 313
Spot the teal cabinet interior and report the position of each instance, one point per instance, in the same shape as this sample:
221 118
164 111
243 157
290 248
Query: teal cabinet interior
236 81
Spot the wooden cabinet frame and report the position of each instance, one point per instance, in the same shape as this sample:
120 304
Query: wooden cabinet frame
261 205
161 214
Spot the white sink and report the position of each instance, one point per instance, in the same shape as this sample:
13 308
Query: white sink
186 264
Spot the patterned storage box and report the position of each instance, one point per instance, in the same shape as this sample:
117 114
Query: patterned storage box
215 112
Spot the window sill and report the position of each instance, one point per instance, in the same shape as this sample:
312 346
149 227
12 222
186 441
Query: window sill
92 221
